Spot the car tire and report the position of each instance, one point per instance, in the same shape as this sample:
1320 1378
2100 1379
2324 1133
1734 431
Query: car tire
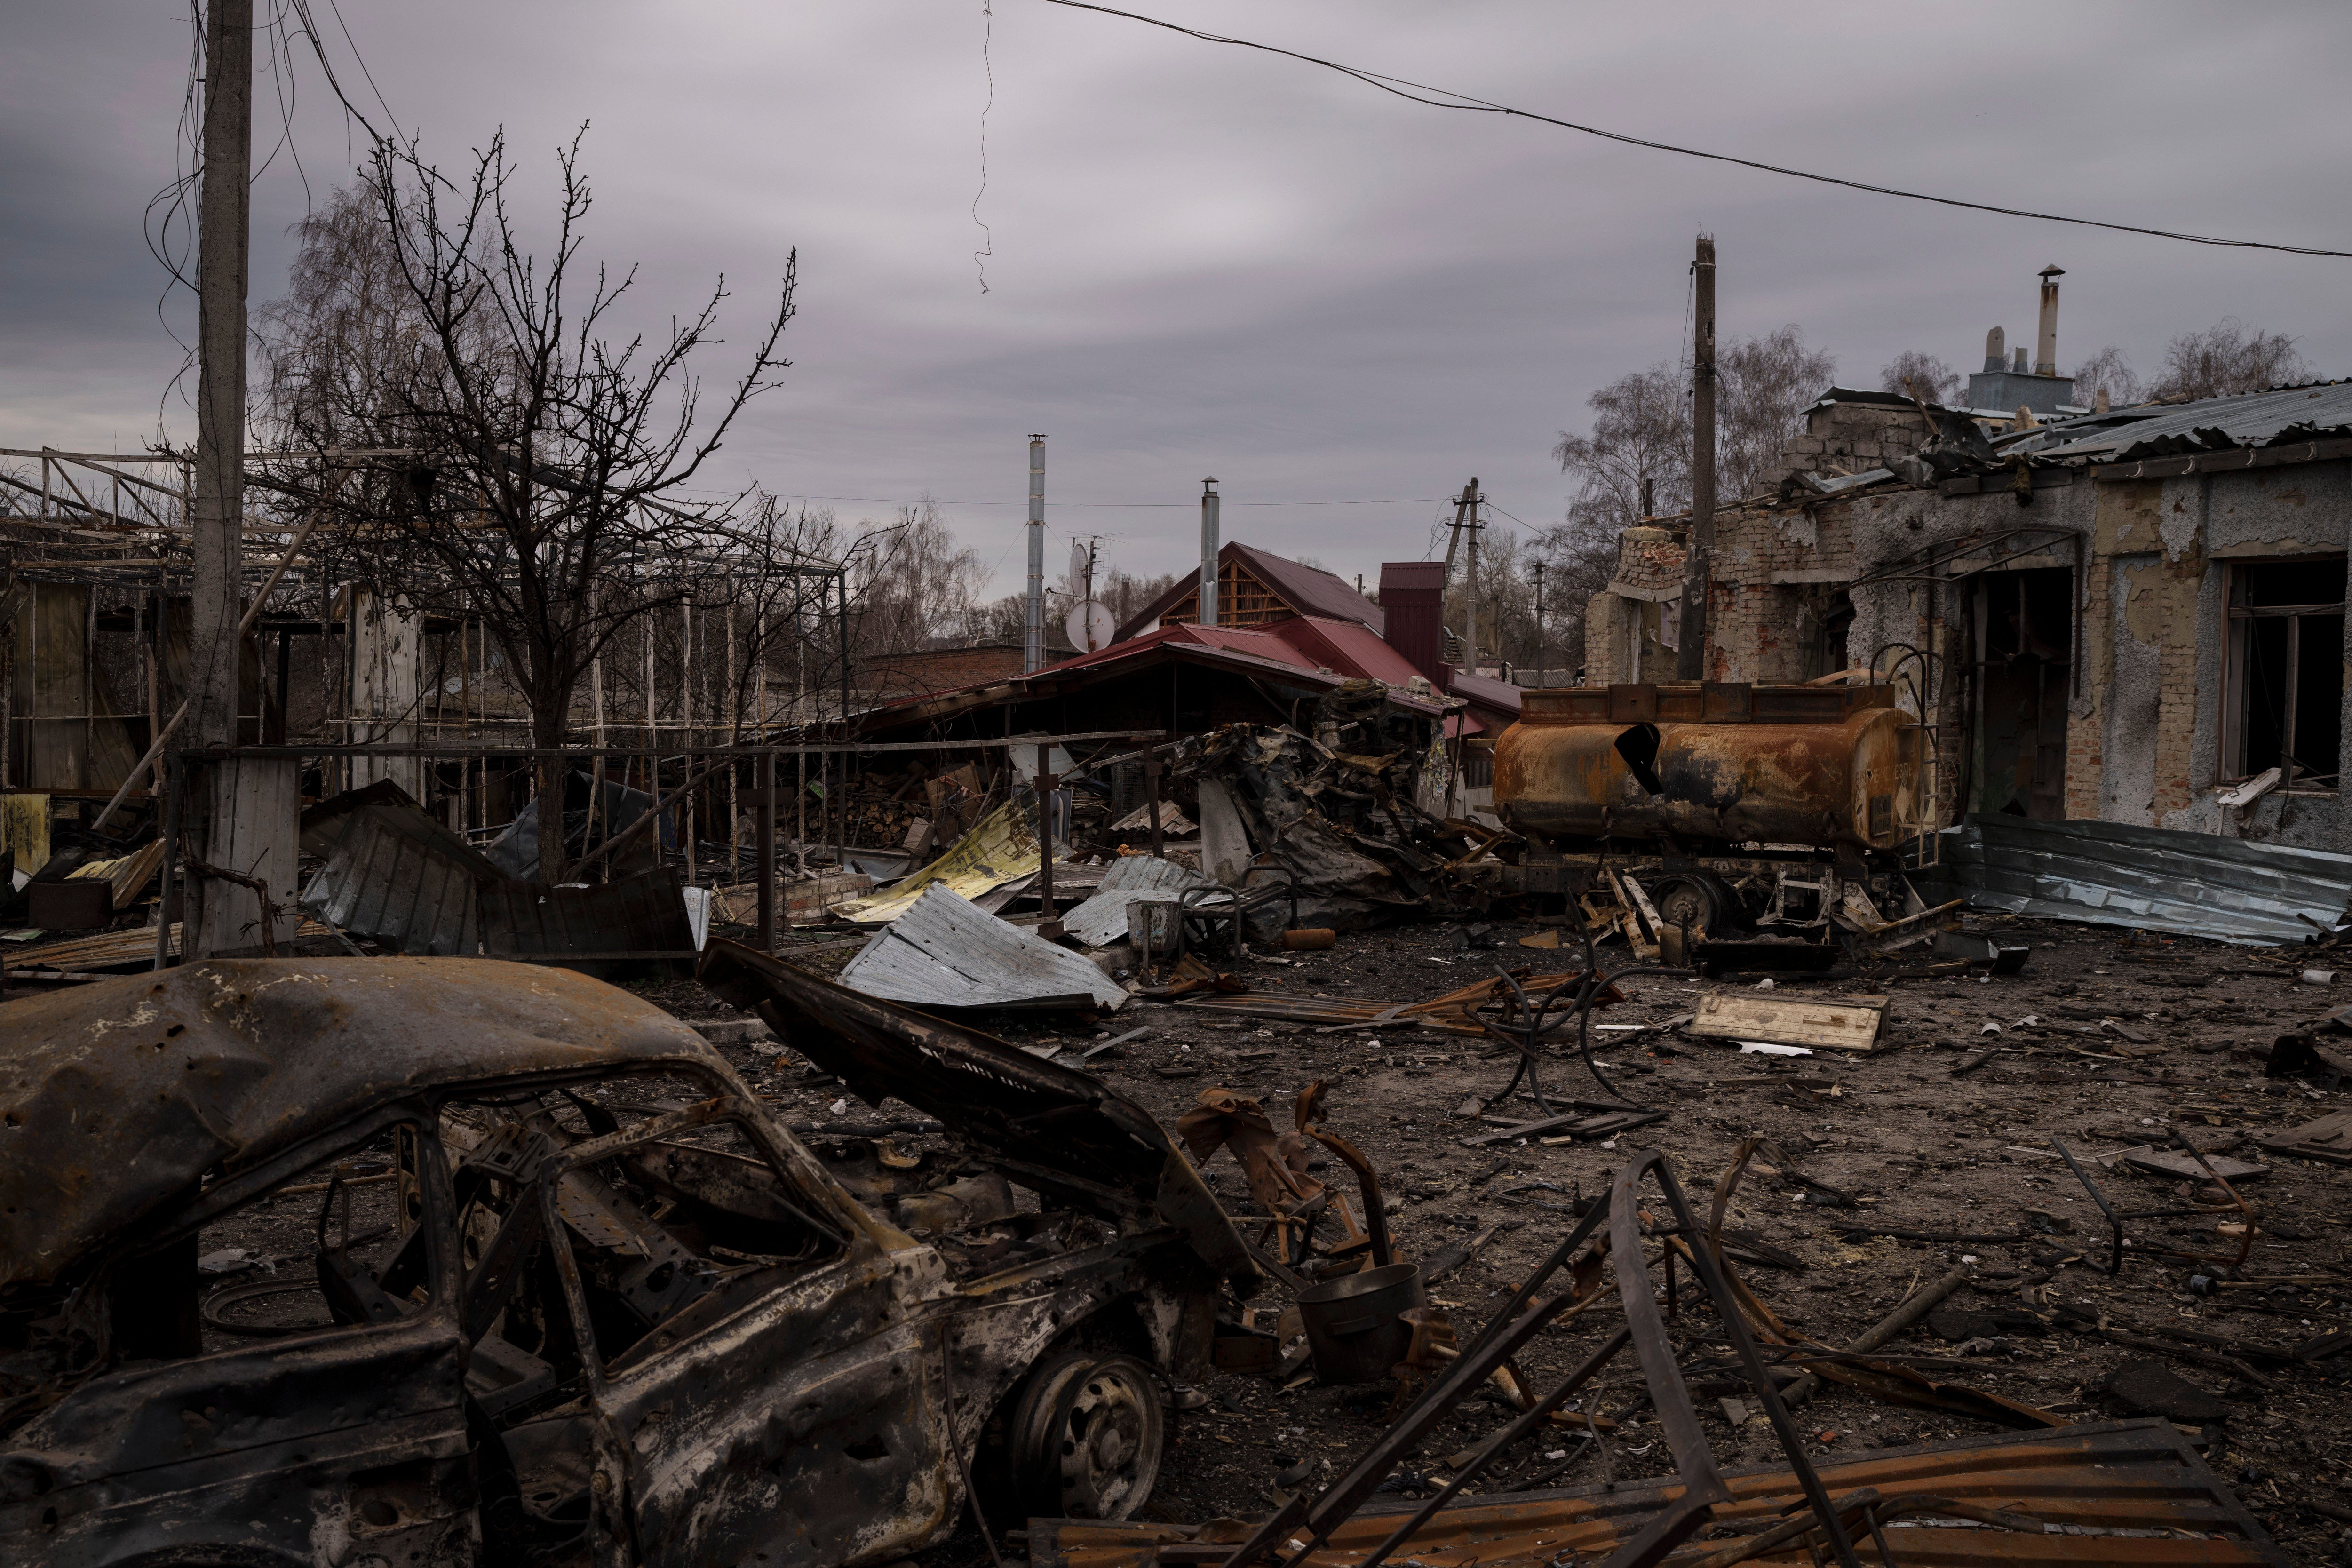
1084 1437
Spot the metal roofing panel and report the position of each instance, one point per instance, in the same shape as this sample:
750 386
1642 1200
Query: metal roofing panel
2246 419
1347 646
1485 690
944 952
1002 847
640 914
2151 878
2106 1492
393 875
1102 919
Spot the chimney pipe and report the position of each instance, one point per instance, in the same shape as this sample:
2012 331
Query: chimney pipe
2045 342
1032 601
2019 366
1208 616
1994 351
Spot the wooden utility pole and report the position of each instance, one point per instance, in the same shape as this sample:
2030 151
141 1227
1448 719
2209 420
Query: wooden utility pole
1690 657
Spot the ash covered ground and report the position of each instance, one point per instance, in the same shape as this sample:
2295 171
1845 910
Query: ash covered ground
1916 1147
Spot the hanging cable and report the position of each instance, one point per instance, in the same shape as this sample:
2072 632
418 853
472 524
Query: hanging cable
988 240
1399 86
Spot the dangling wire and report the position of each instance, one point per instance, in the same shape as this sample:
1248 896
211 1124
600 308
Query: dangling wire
988 240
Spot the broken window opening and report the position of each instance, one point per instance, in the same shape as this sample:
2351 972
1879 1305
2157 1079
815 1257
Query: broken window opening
1825 651
2022 627
673 1231
327 1248
2282 694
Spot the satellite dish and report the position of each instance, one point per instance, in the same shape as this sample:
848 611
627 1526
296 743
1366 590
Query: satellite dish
1090 625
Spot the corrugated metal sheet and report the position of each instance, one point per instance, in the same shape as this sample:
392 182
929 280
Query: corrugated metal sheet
2153 878
1001 847
641 914
2106 1492
393 875
1102 919
2209 424
944 952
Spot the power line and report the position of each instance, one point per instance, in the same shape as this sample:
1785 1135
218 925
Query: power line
902 501
1463 100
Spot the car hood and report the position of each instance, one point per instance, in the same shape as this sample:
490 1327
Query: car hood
1054 1128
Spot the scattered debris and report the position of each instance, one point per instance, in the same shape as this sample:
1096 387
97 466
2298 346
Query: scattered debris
2329 1139
2145 1388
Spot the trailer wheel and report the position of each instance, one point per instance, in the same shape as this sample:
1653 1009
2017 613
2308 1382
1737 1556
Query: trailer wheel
1697 899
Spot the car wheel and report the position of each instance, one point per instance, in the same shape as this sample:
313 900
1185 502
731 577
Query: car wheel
1085 1436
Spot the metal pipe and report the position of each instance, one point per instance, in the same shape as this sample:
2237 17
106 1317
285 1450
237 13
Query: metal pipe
1690 653
1207 616
1032 598
2045 339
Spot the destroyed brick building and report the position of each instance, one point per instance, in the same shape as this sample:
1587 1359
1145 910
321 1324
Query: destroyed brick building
2134 616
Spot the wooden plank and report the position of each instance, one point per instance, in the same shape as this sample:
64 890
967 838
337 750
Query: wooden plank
2329 1139
1832 1026
2172 1162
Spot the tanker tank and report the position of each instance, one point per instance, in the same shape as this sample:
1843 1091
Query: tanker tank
1827 766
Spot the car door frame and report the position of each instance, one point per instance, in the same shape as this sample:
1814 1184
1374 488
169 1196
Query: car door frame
896 1277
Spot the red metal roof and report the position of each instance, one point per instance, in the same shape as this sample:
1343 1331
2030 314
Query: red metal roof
1348 649
1486 692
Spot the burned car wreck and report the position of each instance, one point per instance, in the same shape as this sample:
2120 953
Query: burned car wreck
529 1273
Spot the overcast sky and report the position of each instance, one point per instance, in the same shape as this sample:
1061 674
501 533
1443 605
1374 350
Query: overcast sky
1209 260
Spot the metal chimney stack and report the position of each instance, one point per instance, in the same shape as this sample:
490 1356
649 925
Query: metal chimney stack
1032 601
2046 341
1208 616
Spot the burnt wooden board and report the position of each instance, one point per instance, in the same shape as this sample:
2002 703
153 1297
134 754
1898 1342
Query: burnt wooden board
1785 1021
2329 1139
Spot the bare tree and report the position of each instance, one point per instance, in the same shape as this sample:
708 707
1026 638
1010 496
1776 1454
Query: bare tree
2227 358
911 584
2108 371
1916 373
1123 593
546 458
1765 384
1641 431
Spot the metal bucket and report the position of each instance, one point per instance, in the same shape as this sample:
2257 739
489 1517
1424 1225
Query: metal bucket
1353 1334
1155 929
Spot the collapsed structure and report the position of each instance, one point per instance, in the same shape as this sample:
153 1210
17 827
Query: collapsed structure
2133 617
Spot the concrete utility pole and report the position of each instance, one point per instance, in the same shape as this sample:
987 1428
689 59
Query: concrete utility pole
1463 504
223 218
1470 579
241 814
1690 659
1210 545
1032 601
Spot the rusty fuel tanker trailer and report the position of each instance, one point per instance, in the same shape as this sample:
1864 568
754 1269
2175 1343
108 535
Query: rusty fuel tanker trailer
1779 810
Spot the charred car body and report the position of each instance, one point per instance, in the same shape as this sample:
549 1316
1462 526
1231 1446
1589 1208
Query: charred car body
532 1274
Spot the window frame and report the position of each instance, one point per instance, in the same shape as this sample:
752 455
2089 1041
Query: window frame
2236 632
